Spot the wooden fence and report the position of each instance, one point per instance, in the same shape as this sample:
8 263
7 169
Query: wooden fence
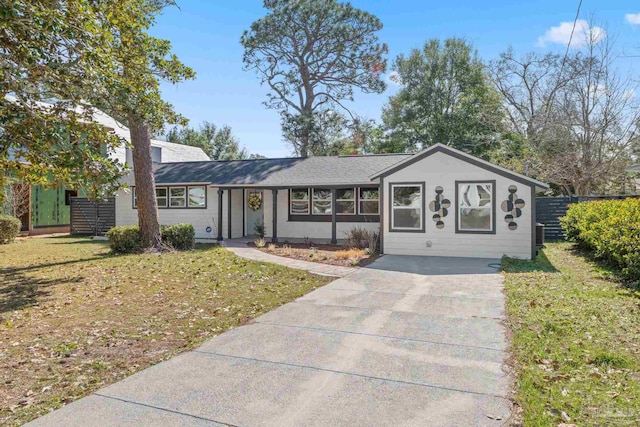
550 209
89 217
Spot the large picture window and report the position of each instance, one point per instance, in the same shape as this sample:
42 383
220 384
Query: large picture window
345 201
406 207
198 196
369 203
299 201
475 207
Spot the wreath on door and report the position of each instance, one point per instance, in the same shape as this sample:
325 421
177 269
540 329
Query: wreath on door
255 201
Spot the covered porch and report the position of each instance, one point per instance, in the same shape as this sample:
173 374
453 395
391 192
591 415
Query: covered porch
323 214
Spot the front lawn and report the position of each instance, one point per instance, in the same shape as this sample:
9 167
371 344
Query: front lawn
576 340
74 318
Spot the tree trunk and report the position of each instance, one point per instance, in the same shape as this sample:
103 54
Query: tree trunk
145 184
304 143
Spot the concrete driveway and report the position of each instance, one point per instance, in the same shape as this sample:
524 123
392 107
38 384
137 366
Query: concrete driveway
408 341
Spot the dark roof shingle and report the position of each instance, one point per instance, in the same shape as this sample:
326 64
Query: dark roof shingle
309 171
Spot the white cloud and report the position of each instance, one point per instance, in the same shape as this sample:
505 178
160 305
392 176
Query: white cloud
632 18
392 78
581 35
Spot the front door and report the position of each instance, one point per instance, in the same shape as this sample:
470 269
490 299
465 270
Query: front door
255 212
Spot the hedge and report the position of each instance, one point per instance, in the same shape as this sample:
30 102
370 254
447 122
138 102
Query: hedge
127 239
610 229
9 228
181 237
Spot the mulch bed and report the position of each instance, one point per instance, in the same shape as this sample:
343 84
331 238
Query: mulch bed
321 253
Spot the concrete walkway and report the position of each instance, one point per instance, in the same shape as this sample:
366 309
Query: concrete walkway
240 248
380 347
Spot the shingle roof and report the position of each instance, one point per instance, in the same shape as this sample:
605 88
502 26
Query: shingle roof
171 152
311 171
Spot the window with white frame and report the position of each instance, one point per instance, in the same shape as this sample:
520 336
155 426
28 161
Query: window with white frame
321 201
406 207
345 201
299 201
198 196
161 197
177 197
475 206
369 203
135 197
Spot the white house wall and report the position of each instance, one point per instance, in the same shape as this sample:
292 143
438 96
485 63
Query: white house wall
443 170
199 218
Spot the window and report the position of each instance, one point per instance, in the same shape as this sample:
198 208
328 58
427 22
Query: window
369 201
177 197
68 194
321 202
299 201
198 197
135 197
345 201
406 209
475 206
161 196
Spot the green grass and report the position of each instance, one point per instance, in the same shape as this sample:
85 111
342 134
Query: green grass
576 340
74 318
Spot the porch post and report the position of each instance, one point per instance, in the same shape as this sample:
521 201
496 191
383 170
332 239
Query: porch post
229 213
220 238
334 239
274 220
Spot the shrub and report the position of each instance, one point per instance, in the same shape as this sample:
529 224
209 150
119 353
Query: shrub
361 238
609 229
125 239
260 243
259 228
9 228
181 237
349 254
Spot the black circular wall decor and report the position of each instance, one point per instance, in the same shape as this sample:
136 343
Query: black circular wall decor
513 207
440 206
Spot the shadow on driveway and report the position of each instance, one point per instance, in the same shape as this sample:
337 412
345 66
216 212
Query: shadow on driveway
438 266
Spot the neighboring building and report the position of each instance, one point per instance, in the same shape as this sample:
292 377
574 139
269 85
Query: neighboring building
439 202
49 210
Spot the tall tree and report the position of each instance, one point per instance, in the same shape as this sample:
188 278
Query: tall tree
312 54
445 97
51 52
131 90
218 143
578 113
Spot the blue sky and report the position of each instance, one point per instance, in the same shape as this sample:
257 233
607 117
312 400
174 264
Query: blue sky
205 35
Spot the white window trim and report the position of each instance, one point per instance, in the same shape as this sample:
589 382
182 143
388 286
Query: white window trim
185 198
166 198
392 227
360 200
488 206
347 200
204 187
313 192
291 199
